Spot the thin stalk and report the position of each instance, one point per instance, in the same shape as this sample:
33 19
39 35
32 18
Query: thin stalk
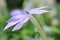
35 22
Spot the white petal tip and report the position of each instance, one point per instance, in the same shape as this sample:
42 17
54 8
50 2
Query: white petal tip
13 30
5 28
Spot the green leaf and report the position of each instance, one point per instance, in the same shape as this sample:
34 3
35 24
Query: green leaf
55 29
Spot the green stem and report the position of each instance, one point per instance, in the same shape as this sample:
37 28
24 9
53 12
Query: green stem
35 22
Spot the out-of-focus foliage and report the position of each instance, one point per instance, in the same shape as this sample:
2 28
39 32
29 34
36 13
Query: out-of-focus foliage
29 32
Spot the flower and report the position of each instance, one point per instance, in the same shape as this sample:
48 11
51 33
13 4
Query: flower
19 17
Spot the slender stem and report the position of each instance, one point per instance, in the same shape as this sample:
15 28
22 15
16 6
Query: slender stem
35 22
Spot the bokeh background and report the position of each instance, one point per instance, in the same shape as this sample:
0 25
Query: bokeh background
50 22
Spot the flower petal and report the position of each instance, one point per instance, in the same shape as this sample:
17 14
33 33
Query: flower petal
38 11
28 6
25 19
14 20
16 12
40 8
9 25
19 25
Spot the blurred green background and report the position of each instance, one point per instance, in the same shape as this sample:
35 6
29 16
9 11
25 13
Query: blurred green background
49 22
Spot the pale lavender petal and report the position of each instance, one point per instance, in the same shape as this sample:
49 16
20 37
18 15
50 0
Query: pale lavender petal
10 24
15 18
25 19
38 11
22 21
40 8
16 12
18 26
29 4
12 21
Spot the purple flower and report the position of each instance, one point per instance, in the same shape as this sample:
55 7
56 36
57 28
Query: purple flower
19 17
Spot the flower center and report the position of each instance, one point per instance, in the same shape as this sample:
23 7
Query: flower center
26 16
